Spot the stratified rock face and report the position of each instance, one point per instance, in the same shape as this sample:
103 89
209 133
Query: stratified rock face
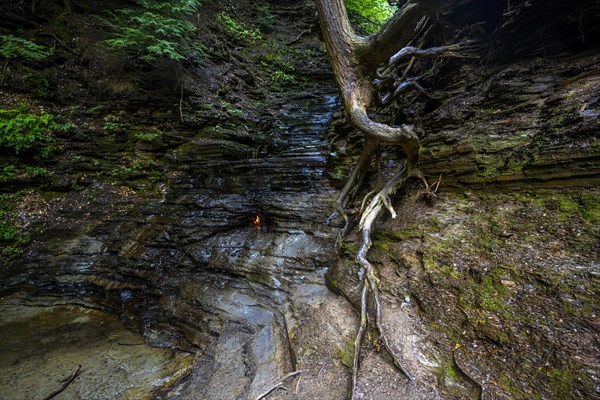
497 277
207 236
526 111
215 265
201 223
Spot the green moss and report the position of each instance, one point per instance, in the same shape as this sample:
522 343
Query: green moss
448 271
491 291
345 353
489 165
590 208
348 249
507 384
451 372
561 383
567 207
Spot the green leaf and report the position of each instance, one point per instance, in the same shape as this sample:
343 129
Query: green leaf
158 30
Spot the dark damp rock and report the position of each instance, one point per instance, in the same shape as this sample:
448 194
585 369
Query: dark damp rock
42 343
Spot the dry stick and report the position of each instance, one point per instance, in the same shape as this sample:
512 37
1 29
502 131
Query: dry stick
297 39
465 373
321 370
277 385
66 383
63 43
298 386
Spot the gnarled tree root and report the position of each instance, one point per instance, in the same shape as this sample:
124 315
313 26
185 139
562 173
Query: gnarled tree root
368 278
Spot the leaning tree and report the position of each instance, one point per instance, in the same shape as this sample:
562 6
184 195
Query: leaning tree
369 71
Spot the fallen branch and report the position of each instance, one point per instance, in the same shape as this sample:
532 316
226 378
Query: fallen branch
278 384
297 39
66 382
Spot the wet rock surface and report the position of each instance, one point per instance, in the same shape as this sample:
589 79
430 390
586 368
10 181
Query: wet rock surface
214 266
206 237
42 343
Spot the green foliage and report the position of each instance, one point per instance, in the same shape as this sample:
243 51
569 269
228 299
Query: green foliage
280 76
12 47
148 136
279 62
157 30
39 84
265 18
11 241
113 123
10 172
237 29
230 109
21 130
369 15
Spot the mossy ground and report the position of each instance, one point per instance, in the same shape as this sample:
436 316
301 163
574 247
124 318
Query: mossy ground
511 279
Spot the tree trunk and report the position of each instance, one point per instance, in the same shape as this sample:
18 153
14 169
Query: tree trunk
354 59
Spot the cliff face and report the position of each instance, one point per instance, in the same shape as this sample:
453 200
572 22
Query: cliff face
500 270
189 198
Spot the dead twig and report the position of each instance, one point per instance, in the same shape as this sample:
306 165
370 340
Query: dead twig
297 39
66 382
298 386
278 384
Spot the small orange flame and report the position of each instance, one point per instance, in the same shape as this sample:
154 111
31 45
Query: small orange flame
256 221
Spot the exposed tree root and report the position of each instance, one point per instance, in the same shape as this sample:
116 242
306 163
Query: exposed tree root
367 275
374 71
355 181
465 373
279 384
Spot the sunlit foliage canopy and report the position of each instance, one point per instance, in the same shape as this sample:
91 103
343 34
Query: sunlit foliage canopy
369 15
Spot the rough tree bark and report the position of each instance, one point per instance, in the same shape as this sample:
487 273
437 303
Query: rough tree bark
355 61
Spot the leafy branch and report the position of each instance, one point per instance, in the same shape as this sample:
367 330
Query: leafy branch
159 29
12 47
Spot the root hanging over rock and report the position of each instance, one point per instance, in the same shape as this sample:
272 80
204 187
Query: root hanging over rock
372 72
367 273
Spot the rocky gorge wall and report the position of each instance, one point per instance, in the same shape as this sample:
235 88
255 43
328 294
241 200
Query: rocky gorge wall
499 270
206 236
